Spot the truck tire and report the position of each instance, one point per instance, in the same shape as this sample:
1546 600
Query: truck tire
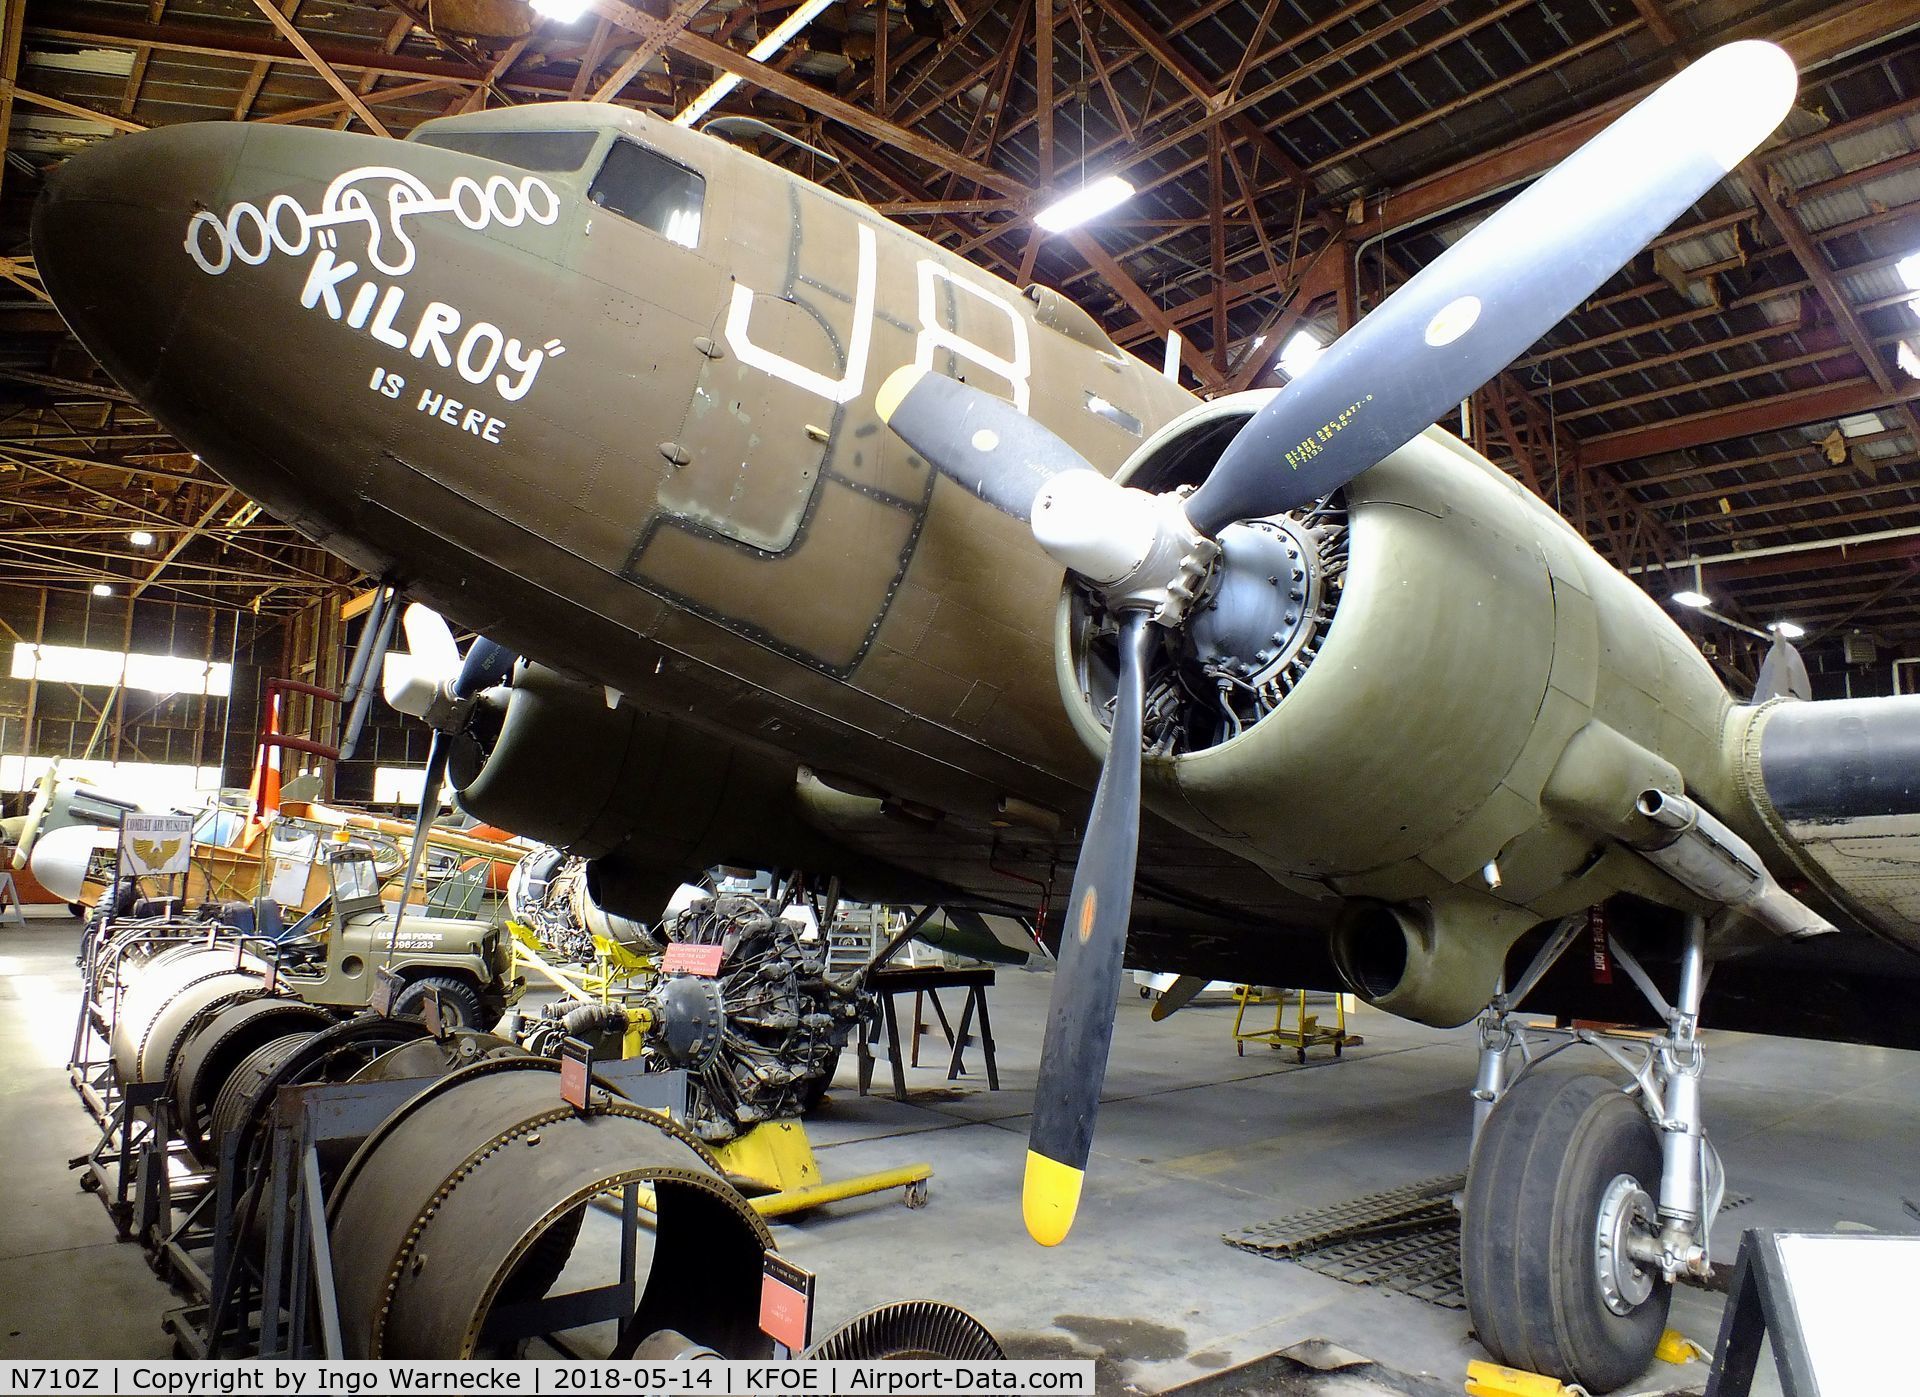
459 1002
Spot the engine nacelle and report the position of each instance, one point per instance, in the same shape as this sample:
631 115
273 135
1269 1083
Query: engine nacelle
1396 732
649 800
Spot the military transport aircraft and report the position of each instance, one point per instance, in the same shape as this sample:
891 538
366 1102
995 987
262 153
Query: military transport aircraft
694 445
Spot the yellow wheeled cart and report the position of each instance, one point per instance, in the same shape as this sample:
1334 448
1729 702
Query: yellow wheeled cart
1306 1030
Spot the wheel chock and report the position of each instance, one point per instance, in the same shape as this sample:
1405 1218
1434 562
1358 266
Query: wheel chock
1493 1380
1675 1347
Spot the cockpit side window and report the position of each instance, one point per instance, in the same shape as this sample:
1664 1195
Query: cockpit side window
549 152
652 190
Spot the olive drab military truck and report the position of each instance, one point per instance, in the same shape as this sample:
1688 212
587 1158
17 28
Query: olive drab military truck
333 954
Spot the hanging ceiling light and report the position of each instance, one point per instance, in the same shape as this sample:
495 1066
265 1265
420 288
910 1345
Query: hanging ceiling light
776 40
1088 201
564 11
1297 355
101 589
1696 595
140 538
1787 630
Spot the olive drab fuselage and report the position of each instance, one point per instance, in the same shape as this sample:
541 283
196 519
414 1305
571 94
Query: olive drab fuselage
638 445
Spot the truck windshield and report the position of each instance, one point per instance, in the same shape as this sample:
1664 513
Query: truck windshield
353 878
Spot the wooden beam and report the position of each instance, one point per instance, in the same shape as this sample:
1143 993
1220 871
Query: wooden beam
1813 262
1823 403
1043 86
10 92
10 35
805 94
1809 41
250 89
372 99
320 65
590 60
510 55
1142 304
653 42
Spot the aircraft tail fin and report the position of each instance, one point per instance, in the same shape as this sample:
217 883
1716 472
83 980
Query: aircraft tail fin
1783 674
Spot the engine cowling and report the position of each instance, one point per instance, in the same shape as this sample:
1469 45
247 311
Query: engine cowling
643 797
1393 729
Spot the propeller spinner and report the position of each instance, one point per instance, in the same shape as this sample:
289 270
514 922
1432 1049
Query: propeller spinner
1147 557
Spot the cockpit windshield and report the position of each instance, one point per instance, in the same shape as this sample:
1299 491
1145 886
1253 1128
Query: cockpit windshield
652 190
549 152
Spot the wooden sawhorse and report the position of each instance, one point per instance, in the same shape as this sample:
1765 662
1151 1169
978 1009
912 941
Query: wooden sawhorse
974 980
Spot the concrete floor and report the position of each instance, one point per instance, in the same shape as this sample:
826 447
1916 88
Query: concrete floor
1193 1142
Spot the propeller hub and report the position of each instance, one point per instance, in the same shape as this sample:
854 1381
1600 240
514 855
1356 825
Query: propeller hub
1137 550
1263 601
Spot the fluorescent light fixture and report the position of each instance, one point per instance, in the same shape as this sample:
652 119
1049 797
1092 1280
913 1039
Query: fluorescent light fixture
775 40
1088 201
140 538
101 589
1699 601
1786 630
564 11
1297 355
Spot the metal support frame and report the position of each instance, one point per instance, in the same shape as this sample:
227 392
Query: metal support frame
1665 1073
293 1285
132 1165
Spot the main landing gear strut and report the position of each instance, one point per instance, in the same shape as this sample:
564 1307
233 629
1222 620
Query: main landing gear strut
1585 1200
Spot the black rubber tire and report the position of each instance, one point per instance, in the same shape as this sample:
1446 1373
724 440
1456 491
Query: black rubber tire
816 1091
1527 1250
459 1002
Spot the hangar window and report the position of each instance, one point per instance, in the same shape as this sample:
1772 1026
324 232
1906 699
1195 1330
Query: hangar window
549 152
654 192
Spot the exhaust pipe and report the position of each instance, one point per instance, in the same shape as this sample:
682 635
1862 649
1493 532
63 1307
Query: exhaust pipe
1701 854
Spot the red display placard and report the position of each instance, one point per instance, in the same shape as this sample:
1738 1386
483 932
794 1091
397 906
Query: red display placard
687 958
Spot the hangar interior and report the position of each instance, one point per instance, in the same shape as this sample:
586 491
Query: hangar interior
1729 421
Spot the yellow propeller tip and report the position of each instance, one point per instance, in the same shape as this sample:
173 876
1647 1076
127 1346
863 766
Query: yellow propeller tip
1049 1198
898 384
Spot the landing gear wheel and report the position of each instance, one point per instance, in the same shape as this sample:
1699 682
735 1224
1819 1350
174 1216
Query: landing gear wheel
459 1002
1564 1175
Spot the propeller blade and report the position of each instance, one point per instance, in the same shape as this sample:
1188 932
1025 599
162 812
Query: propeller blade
422 821
43 790
1178 996
430 642
1478 307
975 439
1086 982
487 663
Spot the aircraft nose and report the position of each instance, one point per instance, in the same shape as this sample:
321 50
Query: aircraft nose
108 238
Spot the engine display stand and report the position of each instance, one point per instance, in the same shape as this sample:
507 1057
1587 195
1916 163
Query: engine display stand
774 1165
